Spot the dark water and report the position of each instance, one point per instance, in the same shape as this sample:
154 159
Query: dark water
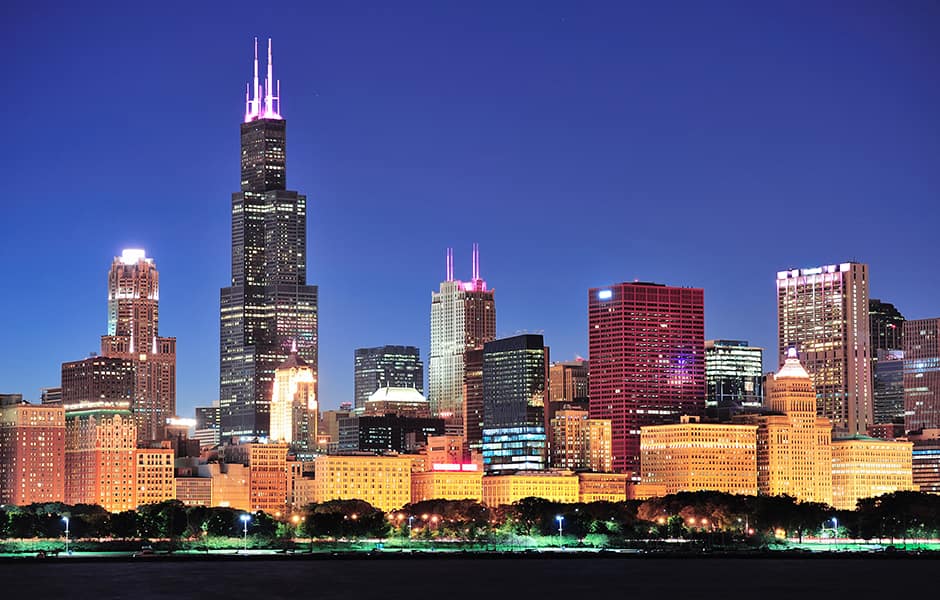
456 578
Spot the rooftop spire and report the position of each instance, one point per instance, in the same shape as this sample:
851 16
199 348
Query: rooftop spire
270 92
450 265
476 261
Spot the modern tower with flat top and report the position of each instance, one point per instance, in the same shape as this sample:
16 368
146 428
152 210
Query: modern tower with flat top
268 306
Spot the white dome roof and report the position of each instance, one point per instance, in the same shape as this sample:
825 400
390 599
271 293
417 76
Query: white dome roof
792 367
396 394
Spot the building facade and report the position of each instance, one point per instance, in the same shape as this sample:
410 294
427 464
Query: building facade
863 467
692 456
154 477
382 481
294 409
98 382
268 307
473 399
794 451
823 313
555 486
602 487
568 382
888 386
734 378
925 460
387 366
32 453
448 484
101 459
922 374
578 442
647 355
133 335
514 397
463 317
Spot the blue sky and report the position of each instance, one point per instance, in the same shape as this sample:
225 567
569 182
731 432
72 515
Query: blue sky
688 143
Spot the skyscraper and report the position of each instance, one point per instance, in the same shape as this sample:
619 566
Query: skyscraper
269 305
823 313
886 326
922 374
387 366
133 335
647 354
734 378
515 370
463 317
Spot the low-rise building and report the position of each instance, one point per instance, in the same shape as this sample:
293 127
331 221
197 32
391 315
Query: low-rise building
691 456
154 475
194 491
382 481
602 487
448 482
556 486
32 453
864 467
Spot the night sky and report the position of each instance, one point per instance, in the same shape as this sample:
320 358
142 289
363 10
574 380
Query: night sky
703 144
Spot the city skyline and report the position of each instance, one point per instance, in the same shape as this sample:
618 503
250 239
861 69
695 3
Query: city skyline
188 240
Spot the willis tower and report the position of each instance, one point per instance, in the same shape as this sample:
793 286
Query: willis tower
269 307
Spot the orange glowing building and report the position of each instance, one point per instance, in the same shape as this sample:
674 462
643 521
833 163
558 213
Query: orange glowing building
602 487
864 467
382 481
556 486
100 459
32 453
691 456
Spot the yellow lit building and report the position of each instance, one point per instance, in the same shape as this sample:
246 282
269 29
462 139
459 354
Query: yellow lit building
294 415
863 467
691 456
794 452
457 482
268 476
602 487
154 475
382 481
557 486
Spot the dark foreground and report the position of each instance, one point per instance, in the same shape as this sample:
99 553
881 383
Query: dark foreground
454 578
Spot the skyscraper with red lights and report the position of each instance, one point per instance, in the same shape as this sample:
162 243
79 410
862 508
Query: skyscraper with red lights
647 355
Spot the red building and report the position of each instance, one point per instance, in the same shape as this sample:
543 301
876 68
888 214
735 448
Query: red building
32 453
647 357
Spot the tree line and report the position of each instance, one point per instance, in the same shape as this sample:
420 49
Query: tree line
682 515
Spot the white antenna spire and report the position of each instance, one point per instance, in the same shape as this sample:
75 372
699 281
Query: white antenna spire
450 264
476 261
254 103
268 88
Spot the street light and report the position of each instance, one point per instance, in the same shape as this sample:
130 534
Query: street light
411 519
66 521
835 529
561 521
245 519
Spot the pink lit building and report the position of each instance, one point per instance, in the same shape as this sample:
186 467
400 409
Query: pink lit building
647 357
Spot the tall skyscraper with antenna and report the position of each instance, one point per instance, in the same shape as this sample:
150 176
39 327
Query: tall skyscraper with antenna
463 317
269 305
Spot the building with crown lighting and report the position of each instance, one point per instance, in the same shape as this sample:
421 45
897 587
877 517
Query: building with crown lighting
646 345
922 374
463 317
133 335
32 453
294 414
794 450
268 306
384 367
823 313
